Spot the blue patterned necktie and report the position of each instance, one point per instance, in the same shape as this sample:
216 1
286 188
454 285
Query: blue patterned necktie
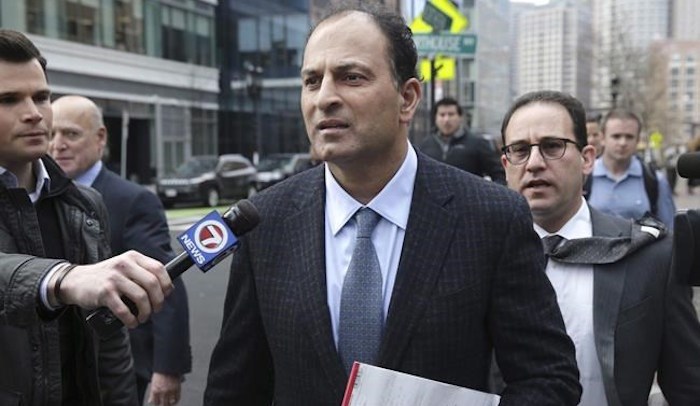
361 301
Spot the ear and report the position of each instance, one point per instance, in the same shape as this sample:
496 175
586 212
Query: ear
410 96
588 158
504 161
102 137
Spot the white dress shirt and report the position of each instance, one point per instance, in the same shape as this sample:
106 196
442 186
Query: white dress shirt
393 204
573 285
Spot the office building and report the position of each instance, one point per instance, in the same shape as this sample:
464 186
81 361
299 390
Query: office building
553 49
150 65
623 31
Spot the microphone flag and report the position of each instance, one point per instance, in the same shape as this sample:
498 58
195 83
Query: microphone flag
208 241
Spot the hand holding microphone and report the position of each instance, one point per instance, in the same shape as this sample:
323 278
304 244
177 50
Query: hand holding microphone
206 243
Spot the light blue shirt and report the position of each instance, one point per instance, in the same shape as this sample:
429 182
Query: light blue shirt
626 197
86 178
393 203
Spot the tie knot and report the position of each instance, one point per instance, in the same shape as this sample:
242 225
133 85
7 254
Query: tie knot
551 242
366 219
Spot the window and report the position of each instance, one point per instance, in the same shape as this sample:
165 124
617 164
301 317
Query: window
128 23
35 16
173 34
81 21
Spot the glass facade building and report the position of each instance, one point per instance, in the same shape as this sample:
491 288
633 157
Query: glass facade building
262 46
151 65
177 78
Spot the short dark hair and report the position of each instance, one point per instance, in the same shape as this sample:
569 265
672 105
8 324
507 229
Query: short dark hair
572 105
621 114
446 101
402 50
17 48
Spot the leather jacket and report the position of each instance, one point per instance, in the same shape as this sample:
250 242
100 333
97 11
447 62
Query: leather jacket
30 364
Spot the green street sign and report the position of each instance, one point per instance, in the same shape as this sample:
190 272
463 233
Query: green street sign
448 44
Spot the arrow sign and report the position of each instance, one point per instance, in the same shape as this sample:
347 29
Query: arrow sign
452 44
436 18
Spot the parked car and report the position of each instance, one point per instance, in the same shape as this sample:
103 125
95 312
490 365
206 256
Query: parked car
278 167
208 179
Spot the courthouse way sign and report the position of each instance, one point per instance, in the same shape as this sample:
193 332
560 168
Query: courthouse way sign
451 44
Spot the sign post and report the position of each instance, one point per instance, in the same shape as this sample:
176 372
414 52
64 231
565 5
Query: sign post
436 31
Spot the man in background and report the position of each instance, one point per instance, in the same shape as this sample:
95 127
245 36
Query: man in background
382 255
160 346
52 239
455 145
627 313
621 183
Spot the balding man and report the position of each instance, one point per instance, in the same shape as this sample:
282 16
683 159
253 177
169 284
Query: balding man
161 346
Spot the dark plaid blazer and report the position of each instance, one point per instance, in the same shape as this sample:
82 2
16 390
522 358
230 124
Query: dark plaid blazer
470 280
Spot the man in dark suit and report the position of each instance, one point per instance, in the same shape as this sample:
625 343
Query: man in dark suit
628 314
453 266
160 346
455 145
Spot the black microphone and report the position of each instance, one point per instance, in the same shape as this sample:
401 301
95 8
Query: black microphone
689 165
240 218
686 246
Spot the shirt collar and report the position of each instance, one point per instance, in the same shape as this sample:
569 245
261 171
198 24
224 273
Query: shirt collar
578 226
635 168
393 202
88 177
43 181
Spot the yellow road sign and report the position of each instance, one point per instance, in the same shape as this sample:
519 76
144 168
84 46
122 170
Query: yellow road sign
446 68
439 15
656 139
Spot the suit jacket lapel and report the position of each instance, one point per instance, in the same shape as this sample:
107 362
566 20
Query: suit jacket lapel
307 225
608 284
429 230
100 179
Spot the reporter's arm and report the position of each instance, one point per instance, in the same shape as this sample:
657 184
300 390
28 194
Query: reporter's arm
141 279
20 288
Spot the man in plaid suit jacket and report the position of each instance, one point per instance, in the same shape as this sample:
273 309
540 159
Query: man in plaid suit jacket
462 268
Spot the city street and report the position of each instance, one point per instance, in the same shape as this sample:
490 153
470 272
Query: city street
206 294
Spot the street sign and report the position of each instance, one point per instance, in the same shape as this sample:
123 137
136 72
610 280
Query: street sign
451 44
439 16
446 68
656 139
436 18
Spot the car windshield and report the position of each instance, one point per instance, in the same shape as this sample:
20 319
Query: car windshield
196 166
272 162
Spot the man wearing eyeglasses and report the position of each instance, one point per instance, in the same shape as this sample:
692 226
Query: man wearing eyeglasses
627 315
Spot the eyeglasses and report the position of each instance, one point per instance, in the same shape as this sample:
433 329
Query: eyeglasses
551 148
